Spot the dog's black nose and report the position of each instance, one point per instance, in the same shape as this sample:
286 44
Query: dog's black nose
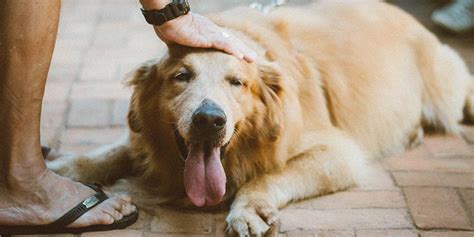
209 117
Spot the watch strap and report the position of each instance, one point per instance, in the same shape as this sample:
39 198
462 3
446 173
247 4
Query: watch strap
171 11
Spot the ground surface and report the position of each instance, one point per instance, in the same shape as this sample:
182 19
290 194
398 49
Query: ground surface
428 191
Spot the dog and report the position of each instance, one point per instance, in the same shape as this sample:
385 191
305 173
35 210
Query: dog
335 85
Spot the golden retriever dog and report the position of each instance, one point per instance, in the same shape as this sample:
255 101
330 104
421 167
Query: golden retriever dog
335 84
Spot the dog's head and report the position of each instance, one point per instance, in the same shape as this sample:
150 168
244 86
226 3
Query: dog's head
209 99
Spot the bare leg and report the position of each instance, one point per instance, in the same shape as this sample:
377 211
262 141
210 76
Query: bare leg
30 194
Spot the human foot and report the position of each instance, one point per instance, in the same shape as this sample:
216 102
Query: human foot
44 200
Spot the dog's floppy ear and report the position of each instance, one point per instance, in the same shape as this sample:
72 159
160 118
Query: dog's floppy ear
135 79
271 95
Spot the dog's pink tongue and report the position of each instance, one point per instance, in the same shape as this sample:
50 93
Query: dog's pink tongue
204 177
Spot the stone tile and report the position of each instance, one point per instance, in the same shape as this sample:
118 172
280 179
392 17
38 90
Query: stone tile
436 208
49 137
99 71
119 112
57 91
457 180
295 219
468 133
115 233
448 146
53 114
354 199
95 136
377 178
171 221
436 164
467 196
100 90
175 235
89 113
447 234
320 233
387 233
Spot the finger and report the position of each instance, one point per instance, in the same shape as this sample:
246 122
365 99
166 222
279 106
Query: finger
227 46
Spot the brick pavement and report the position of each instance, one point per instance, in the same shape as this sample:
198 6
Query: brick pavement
428 191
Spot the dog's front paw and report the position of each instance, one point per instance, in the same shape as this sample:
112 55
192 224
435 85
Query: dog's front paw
252 219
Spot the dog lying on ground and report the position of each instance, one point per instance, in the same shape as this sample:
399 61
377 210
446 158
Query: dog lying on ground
335 84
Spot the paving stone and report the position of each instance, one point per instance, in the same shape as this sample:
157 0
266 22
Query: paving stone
448 146
354 199
172 221
100 90
436 208
89 113
175 235
387 233
57 91
119 113
458 180
467 195
468 133
321 233
115 233
98 71
447 234
92 136
53 114
444 164
295 219
377 179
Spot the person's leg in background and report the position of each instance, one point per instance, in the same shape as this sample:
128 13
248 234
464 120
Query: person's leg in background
30 194
457 17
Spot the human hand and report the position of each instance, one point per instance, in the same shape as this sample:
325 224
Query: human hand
197 31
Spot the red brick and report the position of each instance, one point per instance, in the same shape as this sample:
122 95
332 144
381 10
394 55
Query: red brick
436 208
377 179
468 133
447 234
357 199
387 233
320 233
448 146
467 195
99 71
53 114
446 164
172 221
115 233
295 219
100 90
175 235
458 180
119 113
82 137
89 113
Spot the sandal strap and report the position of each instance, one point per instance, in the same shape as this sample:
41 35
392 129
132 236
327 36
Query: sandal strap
80 209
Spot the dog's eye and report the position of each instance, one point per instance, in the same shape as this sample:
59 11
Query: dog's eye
236 81
182 76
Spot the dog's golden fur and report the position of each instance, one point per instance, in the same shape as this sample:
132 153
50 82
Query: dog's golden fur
334 85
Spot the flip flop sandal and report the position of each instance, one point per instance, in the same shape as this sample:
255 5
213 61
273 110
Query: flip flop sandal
59 226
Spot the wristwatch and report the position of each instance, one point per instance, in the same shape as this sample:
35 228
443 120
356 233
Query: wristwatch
173 10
